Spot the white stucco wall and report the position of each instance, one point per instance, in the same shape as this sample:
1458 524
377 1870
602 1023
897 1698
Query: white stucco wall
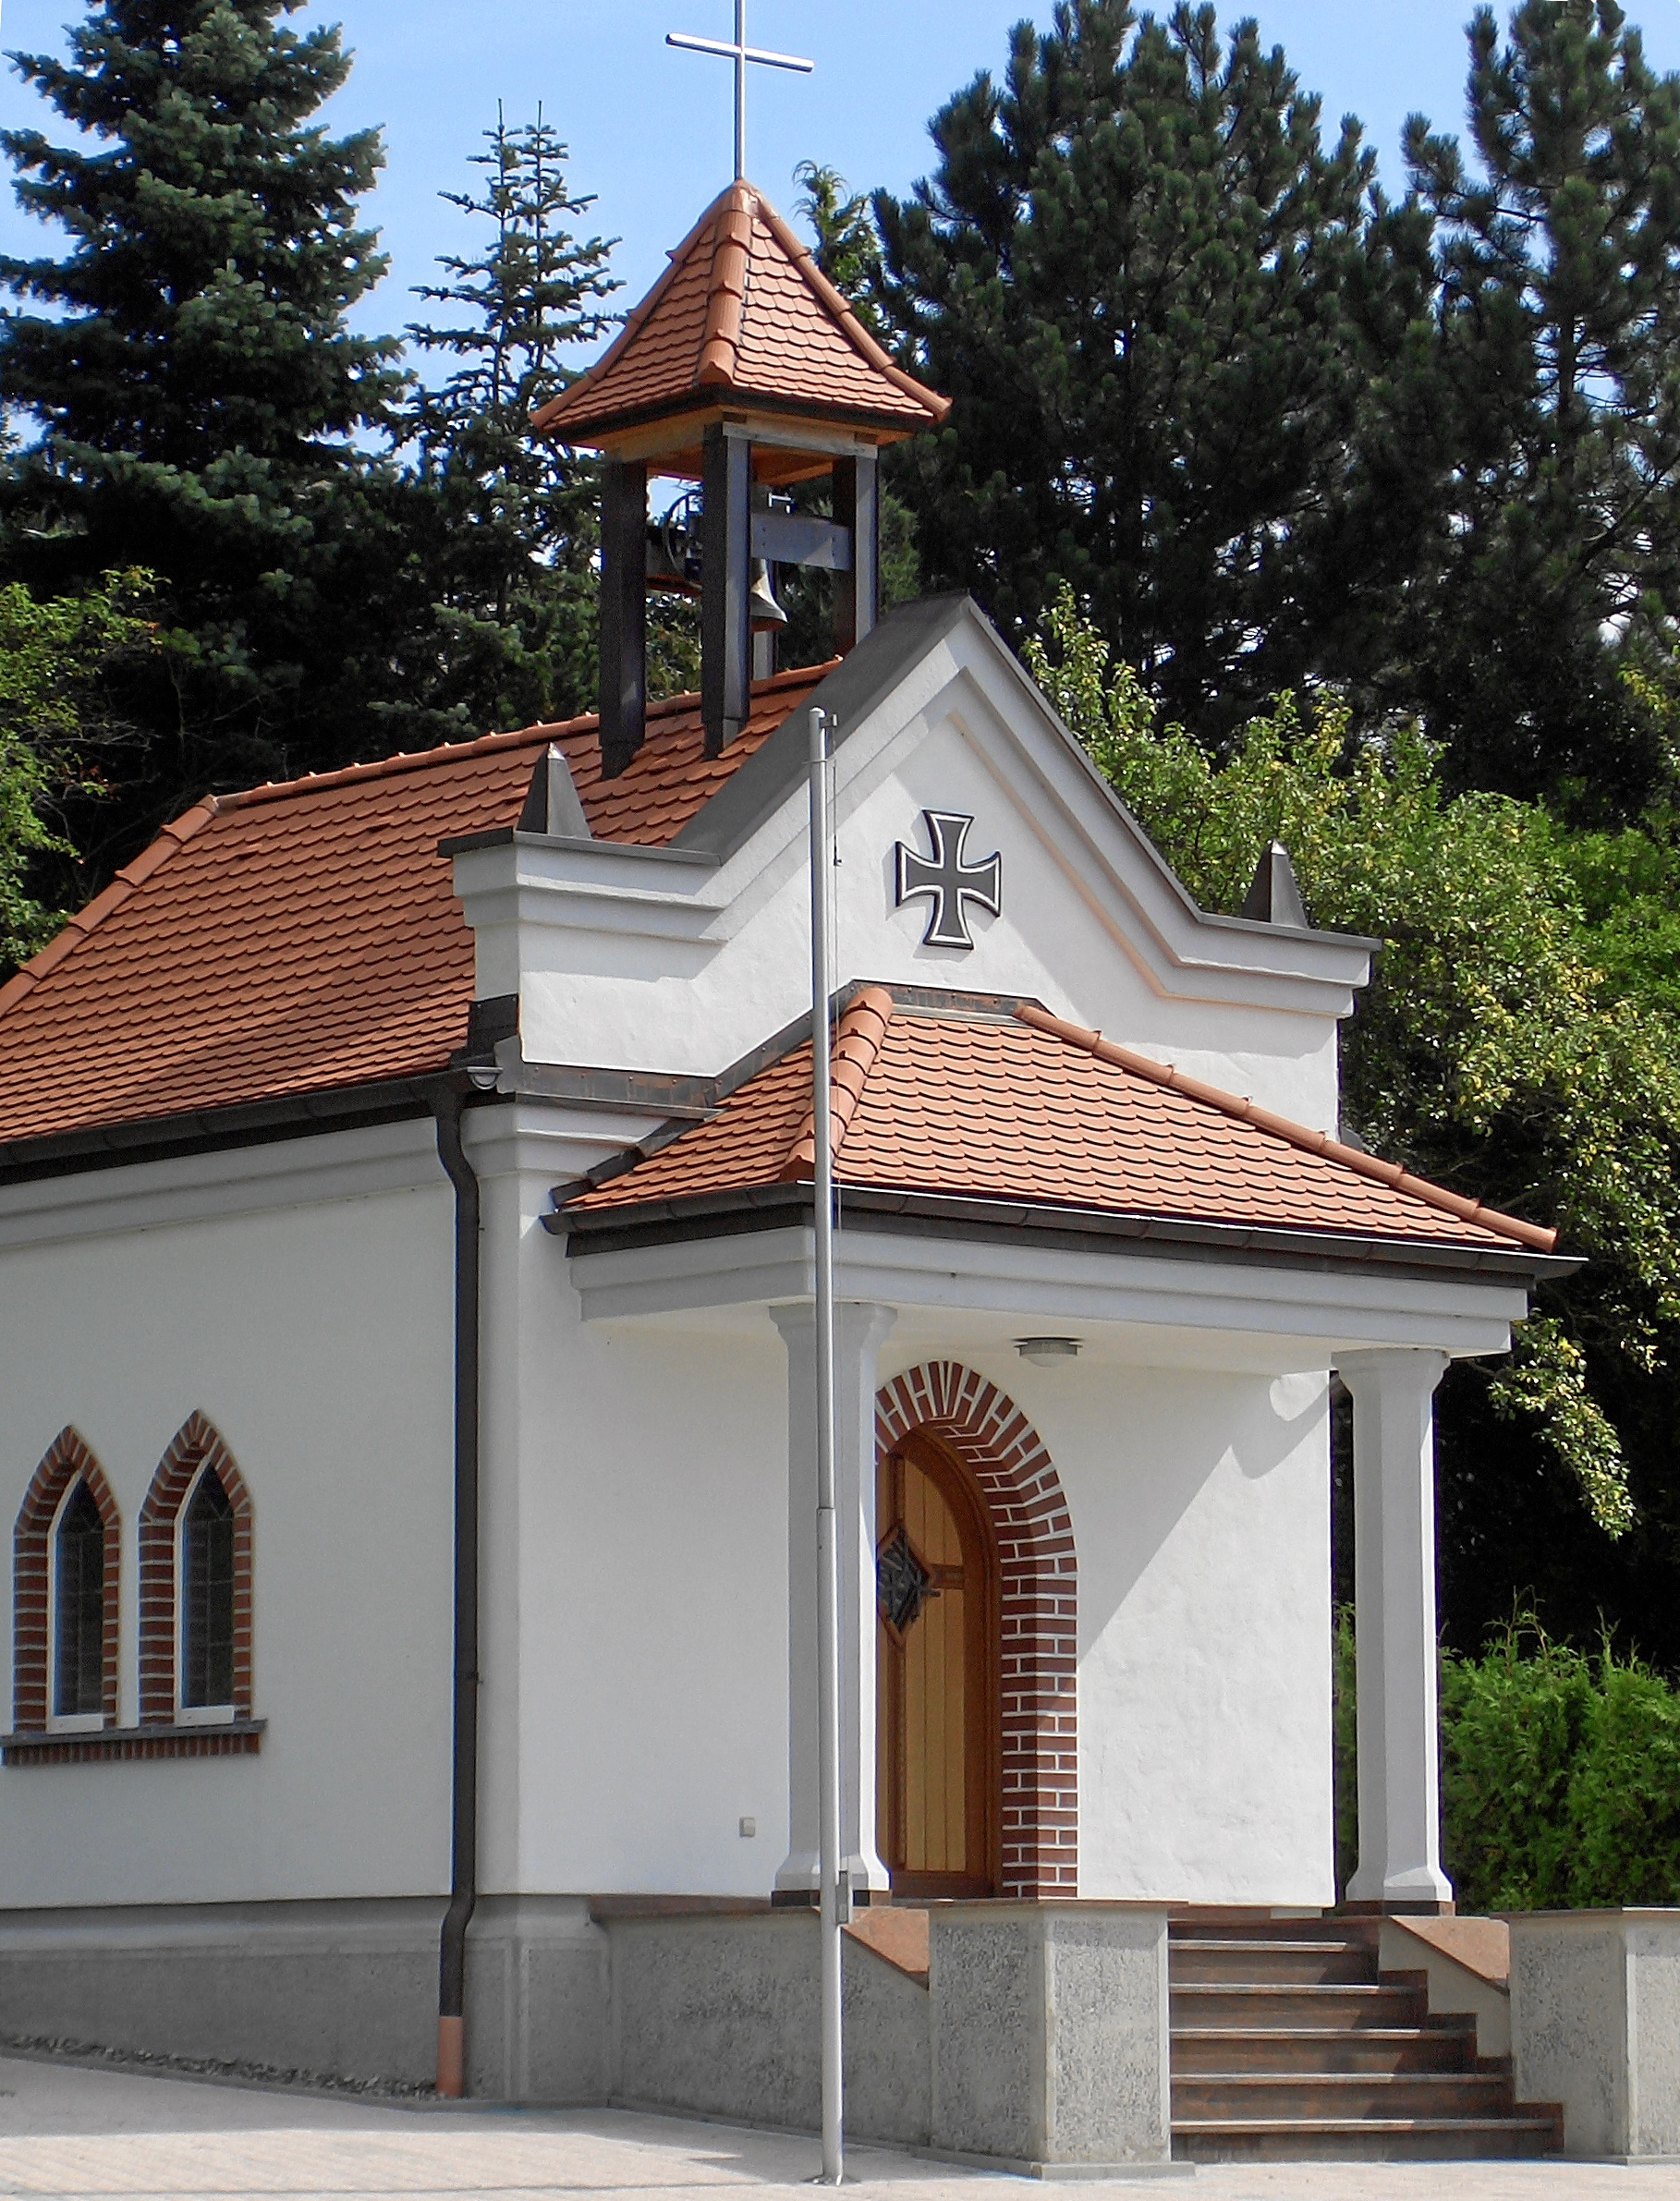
1201 1505
635 1568
317 1338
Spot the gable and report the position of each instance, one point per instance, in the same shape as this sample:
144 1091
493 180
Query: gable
683 963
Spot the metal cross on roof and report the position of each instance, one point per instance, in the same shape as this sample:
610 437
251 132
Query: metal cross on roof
740 53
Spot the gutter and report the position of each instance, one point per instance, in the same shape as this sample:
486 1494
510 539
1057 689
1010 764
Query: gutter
776 1206
449 1107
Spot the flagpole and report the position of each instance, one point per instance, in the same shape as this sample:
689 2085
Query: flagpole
832 1905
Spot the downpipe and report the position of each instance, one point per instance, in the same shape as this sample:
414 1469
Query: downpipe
464 1755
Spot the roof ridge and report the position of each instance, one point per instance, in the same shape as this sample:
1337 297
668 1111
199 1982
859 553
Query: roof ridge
834 298
1295 1135
539 731
402 760
633 320
127 883
726 283
857 1037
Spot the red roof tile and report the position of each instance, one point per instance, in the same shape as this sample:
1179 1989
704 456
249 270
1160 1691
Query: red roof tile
1033 1111
306 936
743 312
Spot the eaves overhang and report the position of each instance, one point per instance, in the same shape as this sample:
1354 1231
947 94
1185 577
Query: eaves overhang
774 1206
253 1122
610 423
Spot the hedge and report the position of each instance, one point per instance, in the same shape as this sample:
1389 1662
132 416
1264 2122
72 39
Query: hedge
1559 1775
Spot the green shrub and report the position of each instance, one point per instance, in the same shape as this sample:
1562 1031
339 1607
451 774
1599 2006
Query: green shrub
1559 1775
1345 1729
1625 1798
1515 1728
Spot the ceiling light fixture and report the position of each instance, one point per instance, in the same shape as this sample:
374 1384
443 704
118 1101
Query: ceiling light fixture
1044 1351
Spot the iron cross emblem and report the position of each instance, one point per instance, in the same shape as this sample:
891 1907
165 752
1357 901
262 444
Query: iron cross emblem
951 882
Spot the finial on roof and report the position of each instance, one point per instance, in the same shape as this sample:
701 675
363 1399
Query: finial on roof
1274 893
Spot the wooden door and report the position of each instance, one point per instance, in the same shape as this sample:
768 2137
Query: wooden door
938 1821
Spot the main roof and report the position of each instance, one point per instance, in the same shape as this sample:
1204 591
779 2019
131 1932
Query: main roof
1021 1108
304 937
742 313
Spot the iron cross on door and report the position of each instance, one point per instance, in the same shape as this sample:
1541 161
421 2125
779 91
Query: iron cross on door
951 882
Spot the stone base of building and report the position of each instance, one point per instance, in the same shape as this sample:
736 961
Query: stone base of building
345 1990
1036 2037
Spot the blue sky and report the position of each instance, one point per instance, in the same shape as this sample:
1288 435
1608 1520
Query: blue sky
649 128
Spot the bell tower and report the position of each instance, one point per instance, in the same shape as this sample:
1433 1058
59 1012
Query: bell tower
743 371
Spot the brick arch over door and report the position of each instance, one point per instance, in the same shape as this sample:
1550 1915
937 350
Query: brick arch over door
1040 1588
67 1461
197 1444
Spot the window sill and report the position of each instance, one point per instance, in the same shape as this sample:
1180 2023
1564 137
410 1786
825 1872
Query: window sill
232 1738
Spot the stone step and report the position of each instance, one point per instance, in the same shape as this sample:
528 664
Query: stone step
1444 2044
1338 2007
1255 1925
1337 2096
1322 1960
1366 2139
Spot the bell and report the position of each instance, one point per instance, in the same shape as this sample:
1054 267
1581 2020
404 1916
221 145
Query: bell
768 617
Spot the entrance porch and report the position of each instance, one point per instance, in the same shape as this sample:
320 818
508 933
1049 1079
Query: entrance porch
1086 1606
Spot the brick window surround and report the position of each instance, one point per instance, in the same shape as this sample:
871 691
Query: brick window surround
991 1437
196 1445
68 1462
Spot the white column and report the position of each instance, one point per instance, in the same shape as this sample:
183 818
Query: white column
859 1329
1393 1418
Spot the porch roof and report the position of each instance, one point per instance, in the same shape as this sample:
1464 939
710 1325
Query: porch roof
948 1099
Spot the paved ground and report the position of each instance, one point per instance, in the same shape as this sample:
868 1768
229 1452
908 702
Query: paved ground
68 2133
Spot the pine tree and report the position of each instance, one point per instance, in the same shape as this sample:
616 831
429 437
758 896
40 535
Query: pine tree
513 524
1558 555
1151 292
199 393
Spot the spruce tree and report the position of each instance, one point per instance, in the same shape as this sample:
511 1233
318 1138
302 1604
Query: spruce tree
1557 557
198 390
513 520
1150 290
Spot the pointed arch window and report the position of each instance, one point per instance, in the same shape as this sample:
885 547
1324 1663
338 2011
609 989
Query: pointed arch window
207 1598
196 1535
64 1596
78 1609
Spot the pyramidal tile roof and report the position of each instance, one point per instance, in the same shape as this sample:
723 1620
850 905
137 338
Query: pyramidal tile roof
742 312
1027 1109
304 937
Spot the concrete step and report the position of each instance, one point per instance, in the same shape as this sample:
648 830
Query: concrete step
1340 2008
1366 2139
1337 2096
1250 1960
1444 2044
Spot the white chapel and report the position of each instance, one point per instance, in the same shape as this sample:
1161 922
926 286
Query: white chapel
406 1376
